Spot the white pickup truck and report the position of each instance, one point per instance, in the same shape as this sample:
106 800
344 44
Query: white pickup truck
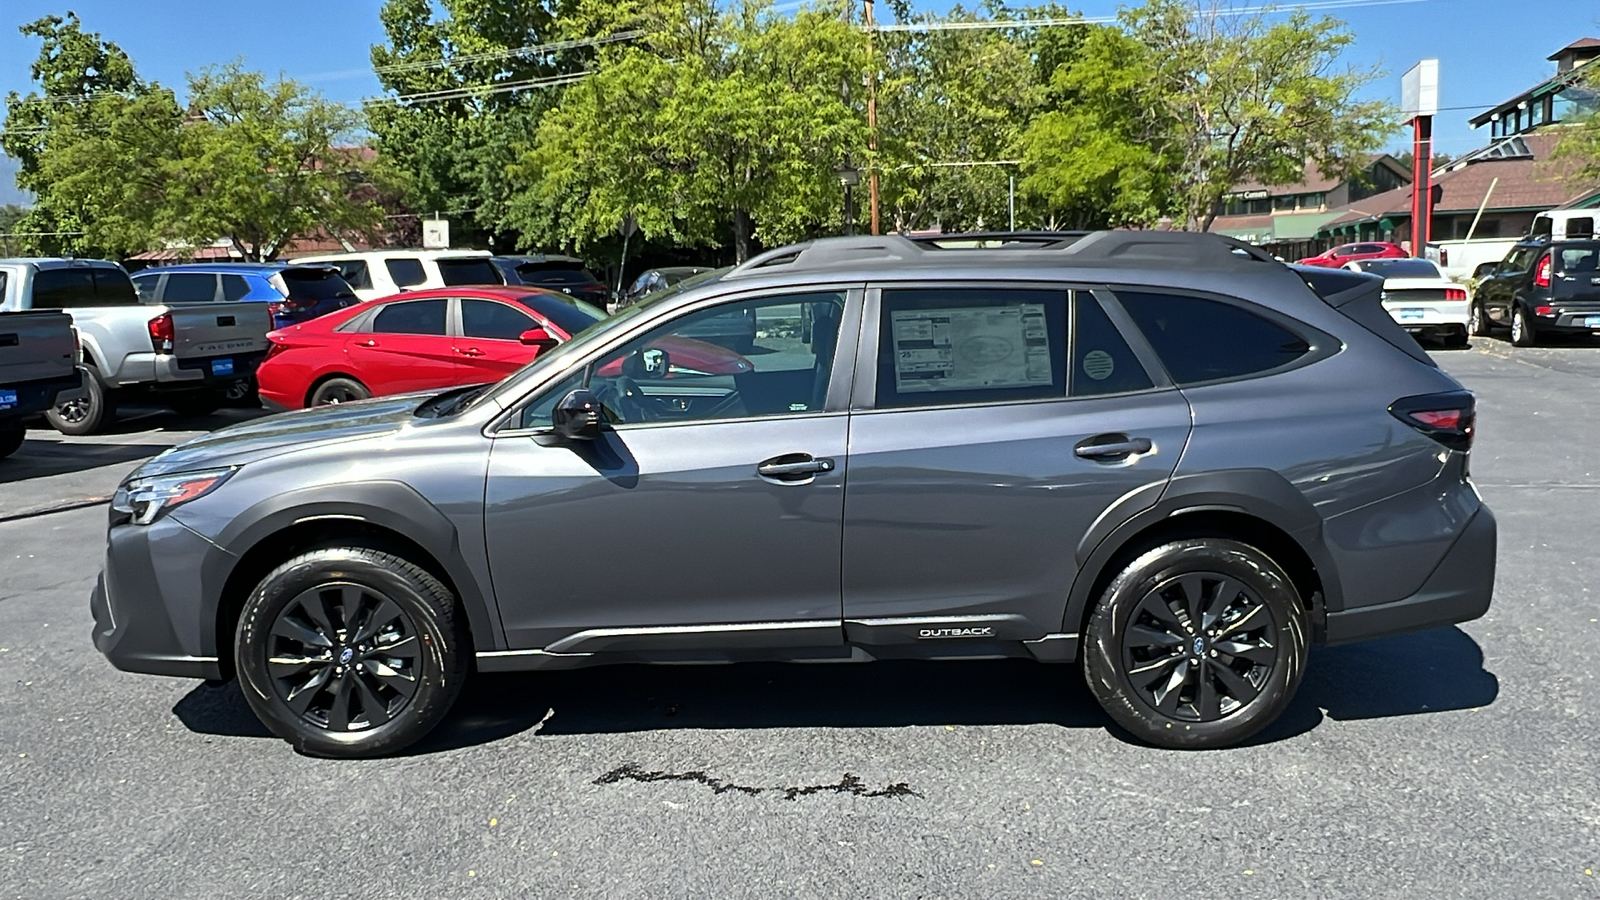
185 357
38 368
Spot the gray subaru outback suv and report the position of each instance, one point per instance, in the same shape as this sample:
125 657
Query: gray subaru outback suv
1166 457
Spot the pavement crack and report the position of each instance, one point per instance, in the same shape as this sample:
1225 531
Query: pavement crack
849 784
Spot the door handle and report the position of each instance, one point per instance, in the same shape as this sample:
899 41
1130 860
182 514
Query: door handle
367 343
1111 446
470 351
793 466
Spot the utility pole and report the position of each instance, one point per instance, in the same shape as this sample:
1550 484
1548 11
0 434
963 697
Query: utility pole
872 115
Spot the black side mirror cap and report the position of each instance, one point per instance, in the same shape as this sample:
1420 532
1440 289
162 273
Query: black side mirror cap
577 416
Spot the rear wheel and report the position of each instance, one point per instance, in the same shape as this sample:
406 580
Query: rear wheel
12 433
1196 644
338 390
350 652
89 414
1477 321
1522 329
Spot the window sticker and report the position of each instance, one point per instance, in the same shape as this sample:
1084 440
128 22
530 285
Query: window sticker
1098 364
971 348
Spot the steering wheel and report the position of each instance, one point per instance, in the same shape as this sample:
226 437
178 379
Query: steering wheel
623 397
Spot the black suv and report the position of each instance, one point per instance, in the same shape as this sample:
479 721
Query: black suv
1541 288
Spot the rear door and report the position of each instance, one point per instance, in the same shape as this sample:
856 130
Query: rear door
992 425
405 346
489 345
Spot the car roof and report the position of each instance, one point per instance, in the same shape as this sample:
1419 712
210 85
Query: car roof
59 262
470 291
369 255
520 258
239 268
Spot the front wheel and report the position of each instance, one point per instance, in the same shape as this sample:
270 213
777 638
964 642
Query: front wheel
89 414
1197 644
350 652
1522 333
1477 321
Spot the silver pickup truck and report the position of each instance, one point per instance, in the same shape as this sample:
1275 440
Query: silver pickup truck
38 369
186 357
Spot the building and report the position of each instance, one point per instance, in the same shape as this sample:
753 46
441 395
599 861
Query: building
1285 219
1560 98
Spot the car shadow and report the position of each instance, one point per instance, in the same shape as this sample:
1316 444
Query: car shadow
44 458
1426 672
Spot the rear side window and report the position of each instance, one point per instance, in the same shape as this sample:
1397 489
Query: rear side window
414 317
1102 362
1202 340
971 345
354 272
495 321
405 272
468 271
189 287
234 287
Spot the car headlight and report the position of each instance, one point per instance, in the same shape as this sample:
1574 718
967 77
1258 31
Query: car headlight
143 500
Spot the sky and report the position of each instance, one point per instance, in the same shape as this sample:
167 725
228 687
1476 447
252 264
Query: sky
1486 54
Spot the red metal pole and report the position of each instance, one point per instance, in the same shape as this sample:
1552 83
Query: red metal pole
1421 188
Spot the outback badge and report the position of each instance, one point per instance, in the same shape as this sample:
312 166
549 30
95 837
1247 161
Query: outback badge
982 631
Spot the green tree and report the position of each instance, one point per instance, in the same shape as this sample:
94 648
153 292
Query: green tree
1578 151
1190 100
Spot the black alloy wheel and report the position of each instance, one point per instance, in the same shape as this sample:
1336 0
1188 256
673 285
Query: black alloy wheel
1197 643
89 414
351 652
344 657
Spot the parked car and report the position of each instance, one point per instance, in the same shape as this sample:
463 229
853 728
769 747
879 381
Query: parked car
1338 256
653 280
186 356
382 273
1539 290
566 274
38 368
1161 455
1419 297
292 293
422 340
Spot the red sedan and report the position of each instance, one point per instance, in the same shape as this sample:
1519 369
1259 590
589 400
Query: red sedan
416 341
1344 253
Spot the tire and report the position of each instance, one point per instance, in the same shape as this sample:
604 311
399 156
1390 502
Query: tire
12 434
91 414
193 405
338 390
1477 320
313 599
242 394
1133 647
1456 340
1522 329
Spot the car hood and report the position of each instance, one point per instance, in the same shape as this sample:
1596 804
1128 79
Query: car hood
270 436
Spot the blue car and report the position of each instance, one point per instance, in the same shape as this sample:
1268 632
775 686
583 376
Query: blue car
294 293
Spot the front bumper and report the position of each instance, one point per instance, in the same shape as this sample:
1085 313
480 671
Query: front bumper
1459 590
149 607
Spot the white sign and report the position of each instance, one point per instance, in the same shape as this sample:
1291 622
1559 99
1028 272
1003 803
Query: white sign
436 234
1419 90
970 348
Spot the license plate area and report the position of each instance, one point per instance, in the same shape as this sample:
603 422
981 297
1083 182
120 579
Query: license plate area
8 399
220 367
1591 321
1412 315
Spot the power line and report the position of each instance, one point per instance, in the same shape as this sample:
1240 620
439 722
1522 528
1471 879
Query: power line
488 56
1056 21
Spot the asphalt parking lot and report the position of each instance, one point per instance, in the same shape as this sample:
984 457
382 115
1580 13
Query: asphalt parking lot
1457 762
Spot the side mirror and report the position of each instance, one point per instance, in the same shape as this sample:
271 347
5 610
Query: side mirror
577 416
538 337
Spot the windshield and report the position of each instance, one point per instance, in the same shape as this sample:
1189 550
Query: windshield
532 274
568 313
1401 268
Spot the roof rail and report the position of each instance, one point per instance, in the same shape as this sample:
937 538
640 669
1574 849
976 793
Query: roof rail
1185 248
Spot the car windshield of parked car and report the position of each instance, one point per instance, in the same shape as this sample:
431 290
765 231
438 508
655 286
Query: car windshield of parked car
568 313
469 270
1402 268
535 273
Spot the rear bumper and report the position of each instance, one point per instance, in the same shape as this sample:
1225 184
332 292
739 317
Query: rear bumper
37 396
199 372
1459 590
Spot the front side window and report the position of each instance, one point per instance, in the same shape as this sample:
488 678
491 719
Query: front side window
405 271
494 321
1200 340
234 287
412 317
941 346
189 287
737 360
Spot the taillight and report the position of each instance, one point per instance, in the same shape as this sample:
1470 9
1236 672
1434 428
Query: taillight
274 347
1541 275
161 333
1447 417
1457 294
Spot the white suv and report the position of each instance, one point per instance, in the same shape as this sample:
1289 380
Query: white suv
384 273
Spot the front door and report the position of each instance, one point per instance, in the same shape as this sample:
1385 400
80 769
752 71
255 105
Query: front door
979 458
708 515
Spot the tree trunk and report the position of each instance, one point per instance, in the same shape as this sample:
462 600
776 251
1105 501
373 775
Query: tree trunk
741 235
